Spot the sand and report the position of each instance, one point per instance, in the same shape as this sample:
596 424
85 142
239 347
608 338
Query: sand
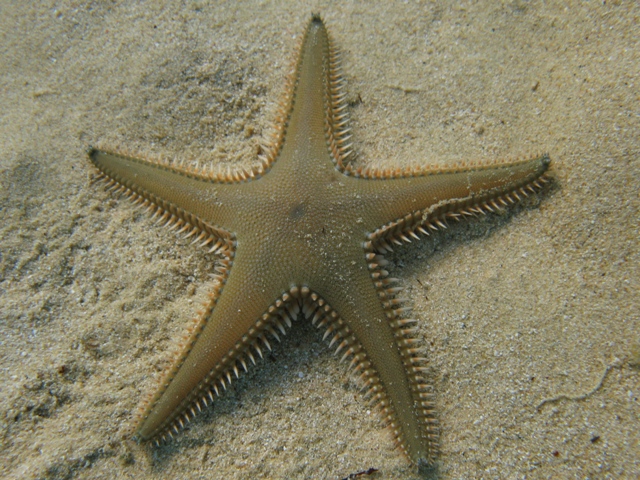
530 319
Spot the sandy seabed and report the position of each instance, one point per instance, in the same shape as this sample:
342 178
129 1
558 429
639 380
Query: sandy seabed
531 319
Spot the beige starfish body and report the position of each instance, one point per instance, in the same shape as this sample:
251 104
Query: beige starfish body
306 232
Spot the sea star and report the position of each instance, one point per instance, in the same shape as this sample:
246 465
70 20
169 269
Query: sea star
306 231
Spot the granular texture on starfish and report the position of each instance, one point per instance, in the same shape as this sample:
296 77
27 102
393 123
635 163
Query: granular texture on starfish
303 232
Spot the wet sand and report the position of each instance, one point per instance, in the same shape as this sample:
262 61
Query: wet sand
530 319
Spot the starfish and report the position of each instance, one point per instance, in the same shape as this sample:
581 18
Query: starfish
305 232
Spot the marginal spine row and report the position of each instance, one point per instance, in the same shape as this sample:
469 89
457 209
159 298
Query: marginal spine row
371 172
271 145
213 239
409 345
338 132
424 223
207 173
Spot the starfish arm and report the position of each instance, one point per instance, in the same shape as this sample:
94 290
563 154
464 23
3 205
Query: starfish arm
402 205
198 203
386 356
232 332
